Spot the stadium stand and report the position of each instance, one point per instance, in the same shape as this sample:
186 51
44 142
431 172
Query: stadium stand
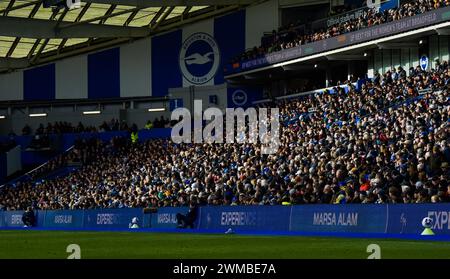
92 95
385 143
371 17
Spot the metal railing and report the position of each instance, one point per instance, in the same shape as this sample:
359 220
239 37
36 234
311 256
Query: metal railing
29 175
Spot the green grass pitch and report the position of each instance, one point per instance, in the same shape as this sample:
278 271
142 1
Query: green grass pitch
53 244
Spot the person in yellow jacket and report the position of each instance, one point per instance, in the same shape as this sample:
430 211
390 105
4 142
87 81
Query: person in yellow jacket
134 137
149 125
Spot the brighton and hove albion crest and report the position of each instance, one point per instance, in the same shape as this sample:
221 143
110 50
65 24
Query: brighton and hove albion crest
199 58
424 63
239 97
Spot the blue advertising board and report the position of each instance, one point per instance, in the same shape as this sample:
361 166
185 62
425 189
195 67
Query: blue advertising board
377 219
12 218
268 218
61 218
154 133
358 218
165 217
111 218
407 218
3 167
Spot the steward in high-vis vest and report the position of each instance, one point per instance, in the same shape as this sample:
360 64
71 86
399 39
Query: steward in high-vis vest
134 137
149 125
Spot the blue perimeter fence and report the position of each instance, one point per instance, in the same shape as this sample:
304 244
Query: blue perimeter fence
367 219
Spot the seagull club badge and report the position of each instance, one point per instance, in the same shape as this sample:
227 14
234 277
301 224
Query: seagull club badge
239 97
199 58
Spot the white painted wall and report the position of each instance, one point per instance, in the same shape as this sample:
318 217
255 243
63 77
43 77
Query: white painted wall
259 19
11 86
71 78
136 69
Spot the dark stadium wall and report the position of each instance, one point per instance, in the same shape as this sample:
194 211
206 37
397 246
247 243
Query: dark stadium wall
165 73
3 167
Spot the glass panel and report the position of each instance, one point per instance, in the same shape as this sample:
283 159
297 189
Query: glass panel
23 48
4 4
144 16
120 19
95 10
41 42
4 47
176 12
75 41
196 8
52 45
43 13
71 15
117 20
23 12
6 39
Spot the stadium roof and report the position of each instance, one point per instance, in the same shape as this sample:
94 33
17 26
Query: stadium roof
31 34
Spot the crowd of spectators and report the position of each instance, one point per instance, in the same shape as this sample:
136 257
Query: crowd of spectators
57 128
385 143
107 126
370 17
159 123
